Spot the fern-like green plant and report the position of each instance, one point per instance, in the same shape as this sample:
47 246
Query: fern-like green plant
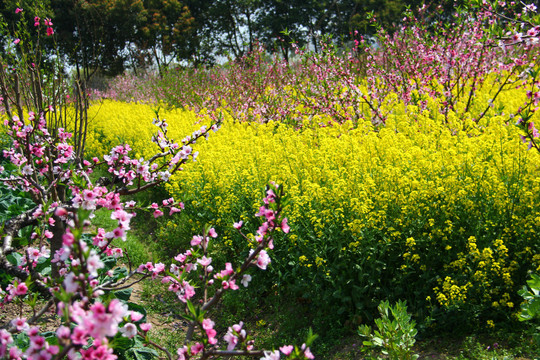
394 336
530 309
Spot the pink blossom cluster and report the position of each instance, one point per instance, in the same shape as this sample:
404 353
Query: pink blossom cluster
288 350
28 152
525 33
39 173
33 254
39 348
235 334
140 88
79 265
128 170
47 22
15 289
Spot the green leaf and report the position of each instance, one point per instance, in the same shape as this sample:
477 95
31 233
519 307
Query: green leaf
123 294
109 262
311 337
191 308
378 341
15 259
51 337
534 282
143 353
22 341
121 343
46 271
120 272
83 214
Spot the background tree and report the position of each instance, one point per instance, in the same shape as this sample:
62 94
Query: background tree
234 25
92 35
111 35
163 31
280 24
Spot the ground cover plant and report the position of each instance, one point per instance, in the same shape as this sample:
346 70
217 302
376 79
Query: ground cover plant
408 176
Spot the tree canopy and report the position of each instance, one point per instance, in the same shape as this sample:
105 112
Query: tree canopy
113 35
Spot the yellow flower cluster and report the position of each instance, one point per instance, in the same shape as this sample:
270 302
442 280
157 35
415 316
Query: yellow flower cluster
451 293
111 123
486 275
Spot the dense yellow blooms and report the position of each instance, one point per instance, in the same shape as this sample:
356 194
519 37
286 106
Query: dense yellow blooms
480 269
112 122
458 201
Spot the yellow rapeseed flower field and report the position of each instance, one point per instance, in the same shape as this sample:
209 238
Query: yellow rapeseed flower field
449 209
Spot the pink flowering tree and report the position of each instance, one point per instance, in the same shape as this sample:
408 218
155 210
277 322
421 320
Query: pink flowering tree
72 266
516 27
434 58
